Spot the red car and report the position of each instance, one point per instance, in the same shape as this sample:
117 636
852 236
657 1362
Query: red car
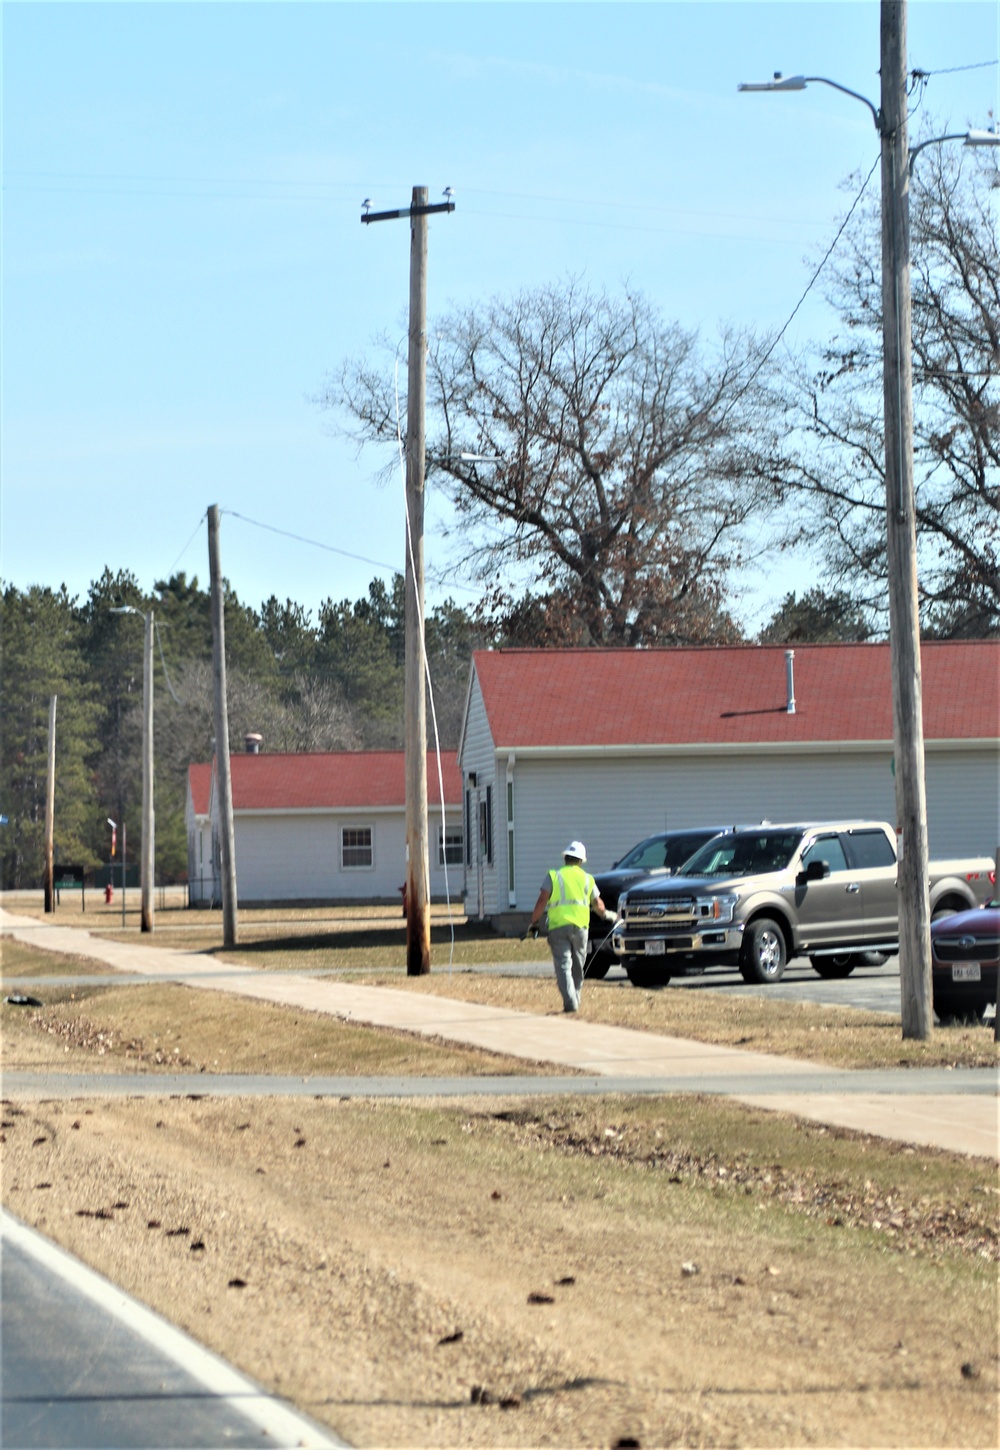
965 959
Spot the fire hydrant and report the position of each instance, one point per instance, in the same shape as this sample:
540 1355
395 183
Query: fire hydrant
109 894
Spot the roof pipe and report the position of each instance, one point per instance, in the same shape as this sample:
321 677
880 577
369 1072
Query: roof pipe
790 680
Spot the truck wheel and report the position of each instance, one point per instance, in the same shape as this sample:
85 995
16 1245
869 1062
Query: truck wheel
830 968
762 956
642 974
599 965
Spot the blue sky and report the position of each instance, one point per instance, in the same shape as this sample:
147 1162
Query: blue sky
183 263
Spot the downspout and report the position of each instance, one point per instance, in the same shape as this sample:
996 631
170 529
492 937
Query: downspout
511 891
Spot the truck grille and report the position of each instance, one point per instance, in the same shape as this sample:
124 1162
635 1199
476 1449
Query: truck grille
671 911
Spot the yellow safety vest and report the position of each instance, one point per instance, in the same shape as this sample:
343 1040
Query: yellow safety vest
569 903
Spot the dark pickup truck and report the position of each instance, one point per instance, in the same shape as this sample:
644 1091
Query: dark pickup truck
659 855
761 895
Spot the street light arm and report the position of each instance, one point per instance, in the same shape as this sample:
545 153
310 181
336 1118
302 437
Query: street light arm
876 113
968 138
799 83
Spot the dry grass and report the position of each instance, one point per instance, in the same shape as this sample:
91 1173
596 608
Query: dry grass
702 1273
367 945
170 1028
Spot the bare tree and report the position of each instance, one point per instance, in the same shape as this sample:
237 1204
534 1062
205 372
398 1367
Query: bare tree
839 470
594 456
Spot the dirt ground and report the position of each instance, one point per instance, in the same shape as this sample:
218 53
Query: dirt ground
592 1273
564 1272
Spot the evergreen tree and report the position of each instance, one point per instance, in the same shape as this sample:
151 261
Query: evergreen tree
40 636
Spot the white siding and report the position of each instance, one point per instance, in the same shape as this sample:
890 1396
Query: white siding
478 756
963 802
297 856
611 803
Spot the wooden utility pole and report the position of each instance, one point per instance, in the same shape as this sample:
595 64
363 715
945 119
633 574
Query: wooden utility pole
418 919
148 862
50 807
904 619
418 922
222 770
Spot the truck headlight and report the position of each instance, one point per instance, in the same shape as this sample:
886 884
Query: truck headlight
716 908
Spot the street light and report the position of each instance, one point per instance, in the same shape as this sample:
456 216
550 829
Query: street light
114 833
967 138
148 827
904 623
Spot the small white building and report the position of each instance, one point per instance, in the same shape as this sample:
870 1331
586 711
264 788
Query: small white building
325 827
608 746
202 878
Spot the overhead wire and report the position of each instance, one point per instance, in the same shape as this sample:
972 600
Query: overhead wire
436 578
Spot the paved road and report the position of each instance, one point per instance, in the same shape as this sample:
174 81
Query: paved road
915 1082
84 1365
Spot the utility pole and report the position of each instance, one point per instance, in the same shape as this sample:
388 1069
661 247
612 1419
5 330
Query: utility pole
223 774
148 823
904 620
50 808
418 921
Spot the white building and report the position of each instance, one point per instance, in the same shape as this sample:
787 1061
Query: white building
202 877
608 746
324 827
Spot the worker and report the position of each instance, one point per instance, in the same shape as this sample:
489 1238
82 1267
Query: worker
566 896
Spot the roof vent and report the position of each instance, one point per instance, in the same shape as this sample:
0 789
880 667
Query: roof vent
253 742
790 679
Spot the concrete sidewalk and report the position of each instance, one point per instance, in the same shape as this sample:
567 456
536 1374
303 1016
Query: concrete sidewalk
964 1119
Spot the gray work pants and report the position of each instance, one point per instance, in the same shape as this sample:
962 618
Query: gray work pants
568 945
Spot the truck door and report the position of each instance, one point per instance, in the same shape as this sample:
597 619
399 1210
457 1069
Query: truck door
829 910
874 861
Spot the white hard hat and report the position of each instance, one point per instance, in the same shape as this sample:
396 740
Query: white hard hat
577 850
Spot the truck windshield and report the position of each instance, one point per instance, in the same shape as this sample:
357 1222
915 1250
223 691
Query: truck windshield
658 852
745 855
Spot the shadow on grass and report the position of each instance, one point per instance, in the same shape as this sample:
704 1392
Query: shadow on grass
364 938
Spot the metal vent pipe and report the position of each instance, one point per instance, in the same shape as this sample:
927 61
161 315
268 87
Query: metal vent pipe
790 679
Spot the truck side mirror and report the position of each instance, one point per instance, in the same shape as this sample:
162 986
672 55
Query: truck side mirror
815 871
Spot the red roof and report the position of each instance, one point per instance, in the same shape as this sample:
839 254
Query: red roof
608 697
344 780
200 784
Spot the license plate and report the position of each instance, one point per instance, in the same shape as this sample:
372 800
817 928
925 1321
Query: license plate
967 972
656 949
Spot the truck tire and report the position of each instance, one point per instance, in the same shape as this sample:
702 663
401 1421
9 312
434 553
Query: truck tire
600 964
832 968
643 974
763 955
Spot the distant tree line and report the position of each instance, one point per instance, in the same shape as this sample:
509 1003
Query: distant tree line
333 683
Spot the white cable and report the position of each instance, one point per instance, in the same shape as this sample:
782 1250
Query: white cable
430 693
163 662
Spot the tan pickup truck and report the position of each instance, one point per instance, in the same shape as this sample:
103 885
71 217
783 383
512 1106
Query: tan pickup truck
760 895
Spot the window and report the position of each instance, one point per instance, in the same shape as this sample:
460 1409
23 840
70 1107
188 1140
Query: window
870 848
486 826
356 848
828 849
450 845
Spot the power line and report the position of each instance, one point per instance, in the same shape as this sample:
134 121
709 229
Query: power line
954 69
344 553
